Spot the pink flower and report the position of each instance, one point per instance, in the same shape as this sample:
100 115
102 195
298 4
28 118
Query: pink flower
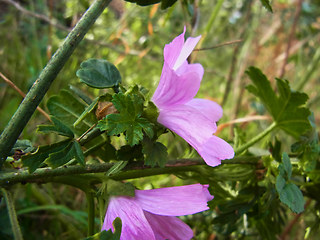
191 118
150 215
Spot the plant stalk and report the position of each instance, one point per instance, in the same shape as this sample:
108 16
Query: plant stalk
90 201
24 112
12 215
256 139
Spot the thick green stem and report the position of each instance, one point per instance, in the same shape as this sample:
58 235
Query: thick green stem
130 171
48 74
256 138
12 215
90 201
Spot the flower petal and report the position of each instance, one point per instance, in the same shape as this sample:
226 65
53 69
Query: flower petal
186 51
215 150
134 224
165 227
174 89
174 201
210 109
172 50
188 123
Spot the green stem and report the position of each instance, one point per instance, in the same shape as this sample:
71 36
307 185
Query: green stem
90 200
213 16
48 174
48 74
12 215
256 139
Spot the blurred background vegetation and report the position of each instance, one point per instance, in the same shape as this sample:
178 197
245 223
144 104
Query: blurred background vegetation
282 44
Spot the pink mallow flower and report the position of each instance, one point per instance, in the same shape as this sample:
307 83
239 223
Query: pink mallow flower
191 118
150 215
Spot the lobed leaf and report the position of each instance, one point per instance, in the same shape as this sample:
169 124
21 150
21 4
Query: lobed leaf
155 153
287 109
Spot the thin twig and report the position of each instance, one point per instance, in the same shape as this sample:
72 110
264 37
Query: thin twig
291 35
242 120
86 132
22 94
219 45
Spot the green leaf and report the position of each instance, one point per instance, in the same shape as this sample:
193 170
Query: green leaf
68 108
289 193
78 154
292 196
59 158
155 153
167 3
86 111
34 160
266 4
287 109
23 145
109 235
58 127
128 120
98 73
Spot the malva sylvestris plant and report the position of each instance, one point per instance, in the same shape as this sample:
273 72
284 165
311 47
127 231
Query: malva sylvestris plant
151 214
191 118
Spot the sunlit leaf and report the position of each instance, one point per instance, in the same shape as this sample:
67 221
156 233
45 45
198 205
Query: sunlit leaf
128 120
98 73
287 109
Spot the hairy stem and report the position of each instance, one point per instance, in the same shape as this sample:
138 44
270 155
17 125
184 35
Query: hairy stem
130 171
12 214
48 74
256 138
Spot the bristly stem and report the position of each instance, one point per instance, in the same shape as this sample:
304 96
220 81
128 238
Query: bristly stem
48 74
256 138
12 214
130 171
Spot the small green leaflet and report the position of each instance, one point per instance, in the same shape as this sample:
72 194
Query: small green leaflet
266 4
287 109
98 73
129 120
289 193
155 153
109 235
58 127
